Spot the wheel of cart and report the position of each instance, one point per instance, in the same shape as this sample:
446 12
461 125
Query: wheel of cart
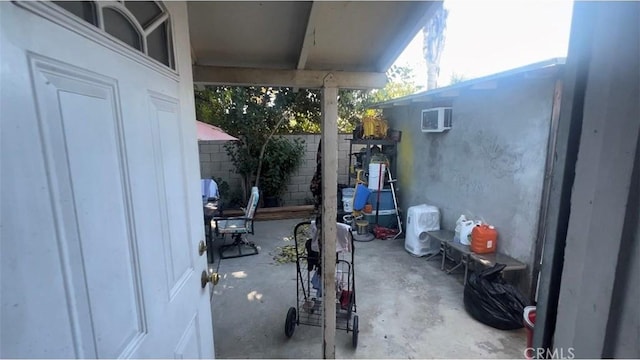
354 335
308 309
290 323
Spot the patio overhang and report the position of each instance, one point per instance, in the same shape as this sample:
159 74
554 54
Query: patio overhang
313 44
285 78
292 43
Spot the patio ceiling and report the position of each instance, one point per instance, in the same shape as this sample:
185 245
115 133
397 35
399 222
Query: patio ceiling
294 43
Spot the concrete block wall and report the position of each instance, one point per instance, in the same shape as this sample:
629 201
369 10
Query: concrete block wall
214 162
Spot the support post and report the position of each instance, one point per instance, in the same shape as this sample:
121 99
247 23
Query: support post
329 140
587 306
566 154
602 200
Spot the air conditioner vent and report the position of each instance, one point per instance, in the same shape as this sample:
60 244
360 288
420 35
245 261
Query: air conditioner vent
436 119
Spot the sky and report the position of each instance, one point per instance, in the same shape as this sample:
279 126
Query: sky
490 36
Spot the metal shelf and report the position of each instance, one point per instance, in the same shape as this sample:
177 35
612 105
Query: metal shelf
373 142
389 148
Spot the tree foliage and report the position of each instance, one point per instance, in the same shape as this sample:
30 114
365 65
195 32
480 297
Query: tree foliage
401 83
302 108
252 113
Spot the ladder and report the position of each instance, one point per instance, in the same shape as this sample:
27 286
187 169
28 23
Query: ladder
392 182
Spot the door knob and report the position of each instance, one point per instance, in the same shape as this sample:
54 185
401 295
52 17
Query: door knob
206 277
202 247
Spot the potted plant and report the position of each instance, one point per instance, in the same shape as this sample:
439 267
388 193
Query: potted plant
281 159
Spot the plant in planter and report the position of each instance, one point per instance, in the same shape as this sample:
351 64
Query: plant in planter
281 159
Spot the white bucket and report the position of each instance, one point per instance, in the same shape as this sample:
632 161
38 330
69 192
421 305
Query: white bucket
348 192
376 176
347 204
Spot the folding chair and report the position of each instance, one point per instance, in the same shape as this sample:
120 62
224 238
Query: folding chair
238 228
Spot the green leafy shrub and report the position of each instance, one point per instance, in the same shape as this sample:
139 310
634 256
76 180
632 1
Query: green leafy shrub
282 158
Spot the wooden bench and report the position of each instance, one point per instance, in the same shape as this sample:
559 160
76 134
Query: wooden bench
447 245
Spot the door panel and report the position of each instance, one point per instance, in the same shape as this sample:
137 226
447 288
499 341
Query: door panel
165 125
80 122
189 344
101 213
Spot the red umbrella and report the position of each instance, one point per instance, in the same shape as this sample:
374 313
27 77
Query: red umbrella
211 132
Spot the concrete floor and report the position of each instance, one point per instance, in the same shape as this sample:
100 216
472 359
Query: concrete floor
407 307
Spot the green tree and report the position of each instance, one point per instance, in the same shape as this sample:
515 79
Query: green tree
401 83
254 114
251 114
302 109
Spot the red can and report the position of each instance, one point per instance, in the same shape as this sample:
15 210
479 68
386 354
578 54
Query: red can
483 239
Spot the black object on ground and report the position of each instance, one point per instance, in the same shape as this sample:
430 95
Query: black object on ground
489 299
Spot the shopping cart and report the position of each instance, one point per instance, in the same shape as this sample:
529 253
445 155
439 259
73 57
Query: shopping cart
308 309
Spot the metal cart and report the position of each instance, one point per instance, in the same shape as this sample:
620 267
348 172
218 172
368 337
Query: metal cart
308 309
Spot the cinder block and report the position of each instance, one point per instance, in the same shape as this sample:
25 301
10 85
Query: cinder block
207 148
299 179
309 155
204 148
305 176
298 195
308 164
205 170
292 179
228 165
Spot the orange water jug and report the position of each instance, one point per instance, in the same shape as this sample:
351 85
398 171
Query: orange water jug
483 239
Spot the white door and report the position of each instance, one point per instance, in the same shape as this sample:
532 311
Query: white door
101 211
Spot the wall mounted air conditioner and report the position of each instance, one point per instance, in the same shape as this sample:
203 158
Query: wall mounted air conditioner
436 119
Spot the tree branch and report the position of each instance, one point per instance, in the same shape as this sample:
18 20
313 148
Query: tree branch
264 147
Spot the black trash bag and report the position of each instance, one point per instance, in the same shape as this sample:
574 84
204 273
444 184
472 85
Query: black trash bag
489 299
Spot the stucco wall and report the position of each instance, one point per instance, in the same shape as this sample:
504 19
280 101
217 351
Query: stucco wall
490 165
215 162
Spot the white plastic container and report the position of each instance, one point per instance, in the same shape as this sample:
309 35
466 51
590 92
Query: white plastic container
376 176
348 192
347 199
347 204
463 230
420 220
